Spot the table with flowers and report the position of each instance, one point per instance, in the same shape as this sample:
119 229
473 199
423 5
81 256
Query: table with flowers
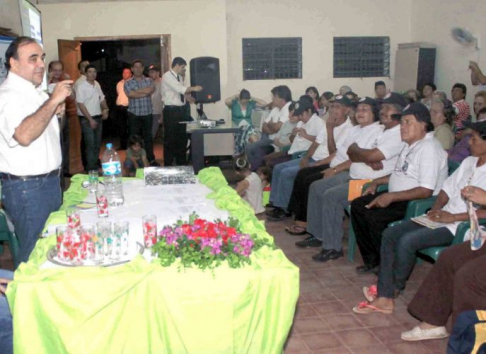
216 301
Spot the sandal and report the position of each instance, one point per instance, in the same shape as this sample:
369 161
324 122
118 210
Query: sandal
370 292
294 230
365 308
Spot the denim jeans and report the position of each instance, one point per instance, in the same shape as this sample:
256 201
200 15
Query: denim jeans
130 167
398 253
142 126
283 176
28 203
92 141
6 332
257 151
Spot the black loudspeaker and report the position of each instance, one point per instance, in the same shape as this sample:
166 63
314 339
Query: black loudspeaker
205 73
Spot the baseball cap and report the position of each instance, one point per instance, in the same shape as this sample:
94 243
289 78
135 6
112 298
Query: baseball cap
303 105
372 103
344 100
395 98
419 110
154 67
480 127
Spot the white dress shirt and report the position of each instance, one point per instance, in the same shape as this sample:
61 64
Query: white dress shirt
18 99
389 142
312 127
172 89
422 164
467 174
340 134
79 81
121 98
278 115
91 96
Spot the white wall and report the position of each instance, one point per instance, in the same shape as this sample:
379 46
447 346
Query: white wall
432 21
10 16
190 35
317 22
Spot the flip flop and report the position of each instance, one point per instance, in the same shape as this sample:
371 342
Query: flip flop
292 230
370 292
365 308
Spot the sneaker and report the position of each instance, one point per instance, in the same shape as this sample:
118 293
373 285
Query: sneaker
310 241
417 334
326 255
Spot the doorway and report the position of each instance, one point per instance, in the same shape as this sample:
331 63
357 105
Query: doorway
110 55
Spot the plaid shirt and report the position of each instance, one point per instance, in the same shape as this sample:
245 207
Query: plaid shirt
139 106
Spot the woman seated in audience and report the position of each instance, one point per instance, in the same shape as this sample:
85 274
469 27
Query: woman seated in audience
413 95
242 106
442 113
324 103
401 242
461 150
427 92
314 94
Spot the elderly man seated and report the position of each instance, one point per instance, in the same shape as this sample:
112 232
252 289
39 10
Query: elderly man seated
401 242
420 172
329 197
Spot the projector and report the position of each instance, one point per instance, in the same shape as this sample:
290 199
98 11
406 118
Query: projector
206 123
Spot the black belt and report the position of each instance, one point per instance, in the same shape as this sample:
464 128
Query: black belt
174 108
8 176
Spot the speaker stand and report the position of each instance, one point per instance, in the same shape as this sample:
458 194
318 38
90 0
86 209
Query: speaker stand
200 112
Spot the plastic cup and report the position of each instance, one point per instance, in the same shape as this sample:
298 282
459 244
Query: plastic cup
121 231
93 181
149 225
102 203
73 218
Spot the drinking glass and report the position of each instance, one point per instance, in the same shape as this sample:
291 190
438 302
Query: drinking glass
93 181
149 225
87 232
121 230
73 218
64 242
101 203
103 232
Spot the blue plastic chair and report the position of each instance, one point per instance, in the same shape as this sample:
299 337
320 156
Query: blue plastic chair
8 236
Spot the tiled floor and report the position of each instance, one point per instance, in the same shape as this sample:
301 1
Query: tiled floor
324 321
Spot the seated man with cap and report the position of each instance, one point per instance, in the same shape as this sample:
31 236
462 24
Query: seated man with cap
329 197
309 127
400 243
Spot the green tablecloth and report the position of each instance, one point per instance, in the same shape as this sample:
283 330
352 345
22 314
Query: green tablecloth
142 307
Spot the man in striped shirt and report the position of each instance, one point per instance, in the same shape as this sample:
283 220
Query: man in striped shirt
461 107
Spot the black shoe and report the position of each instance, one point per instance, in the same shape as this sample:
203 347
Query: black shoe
279 215
154 164
274 212
326 255
367 269
309 242
269 205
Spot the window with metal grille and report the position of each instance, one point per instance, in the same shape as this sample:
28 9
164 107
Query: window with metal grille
361 56
272 58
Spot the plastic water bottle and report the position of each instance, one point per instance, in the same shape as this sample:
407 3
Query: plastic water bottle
112 173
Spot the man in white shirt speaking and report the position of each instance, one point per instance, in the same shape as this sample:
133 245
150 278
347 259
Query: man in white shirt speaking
30 149
173 91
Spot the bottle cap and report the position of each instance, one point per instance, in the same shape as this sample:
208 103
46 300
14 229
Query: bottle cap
109 145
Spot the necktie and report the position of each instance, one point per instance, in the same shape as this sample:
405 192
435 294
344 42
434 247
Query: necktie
181 95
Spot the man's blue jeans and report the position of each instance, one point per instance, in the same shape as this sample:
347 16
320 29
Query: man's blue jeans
283 177
28 203
6 332
92 141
